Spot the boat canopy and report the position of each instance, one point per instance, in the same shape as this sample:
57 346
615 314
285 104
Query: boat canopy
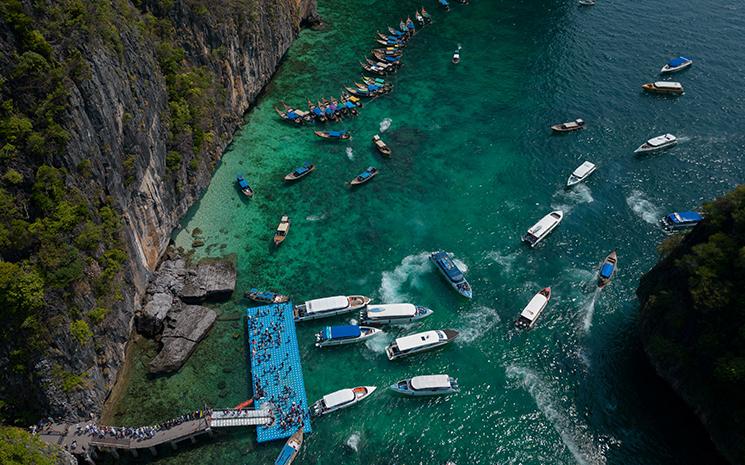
243 183
417 340
668 85
328 303
285 455
391 311
283 227
265 295
660 140
343 396
446 264
301 170
584 169
685 217
343 331
430 382
337 133
675 62
546 223
606 270
534 307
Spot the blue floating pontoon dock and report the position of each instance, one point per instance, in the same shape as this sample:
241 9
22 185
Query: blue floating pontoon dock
276 372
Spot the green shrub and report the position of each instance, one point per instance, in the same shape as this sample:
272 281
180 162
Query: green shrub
98 314
19 447
80 330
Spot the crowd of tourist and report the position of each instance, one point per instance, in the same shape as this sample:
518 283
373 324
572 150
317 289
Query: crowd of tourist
140 433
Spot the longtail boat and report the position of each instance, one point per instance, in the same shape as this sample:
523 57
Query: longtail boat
391 60
607 269
426 16
265 297
380 145
284 227
378 81
365 176
300 172
374 69
291 449
243 186
419 18
333 135
388 51
316 112
293 116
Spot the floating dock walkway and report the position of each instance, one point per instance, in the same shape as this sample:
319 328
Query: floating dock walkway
276 373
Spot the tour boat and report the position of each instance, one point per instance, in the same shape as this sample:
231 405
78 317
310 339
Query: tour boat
657 143
333 135
680 220
329 306
291 448
300 172
243 186
542 228
428 385
586 2
282 230
533 310
365 176
456 57
451 272
380 145
607 269
340 399
575 125
419 342
664 87
266 296
391 314
581 173
345 334
676 64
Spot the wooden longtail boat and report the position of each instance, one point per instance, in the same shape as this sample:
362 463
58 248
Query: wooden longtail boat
380 145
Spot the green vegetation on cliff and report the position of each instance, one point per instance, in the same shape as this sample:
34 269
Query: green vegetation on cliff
18 447
693 319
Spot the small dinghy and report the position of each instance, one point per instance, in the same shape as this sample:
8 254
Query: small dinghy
587 2
427 17
419 342
676 64
266 296
346 334
301 172
678 221
575 125
428 385
291 448
243 186
333 135
456 57
380 145
657 143
365 176
282 230
533 310
607 269
582 172
340 399
542 228
664 87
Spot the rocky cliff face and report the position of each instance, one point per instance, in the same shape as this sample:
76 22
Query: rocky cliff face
125 119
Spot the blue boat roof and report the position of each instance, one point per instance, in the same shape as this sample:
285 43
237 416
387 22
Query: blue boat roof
447 265
292 115
285 455
349 104
364 175
301 170
242 182
607 270
677 61
685 217
337 133
317 110
266 295
344 331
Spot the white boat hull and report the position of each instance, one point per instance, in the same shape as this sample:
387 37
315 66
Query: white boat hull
394 356
370 390
327 314
643 149
394 321
674 69
340 342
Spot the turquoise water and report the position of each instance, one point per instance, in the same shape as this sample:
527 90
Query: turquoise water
474 166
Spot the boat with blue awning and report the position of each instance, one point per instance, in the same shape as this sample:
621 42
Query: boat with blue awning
676 64
677 221
344 334
266 296
607 269
291 449
243 186
300 172
333 135
451 272
365 176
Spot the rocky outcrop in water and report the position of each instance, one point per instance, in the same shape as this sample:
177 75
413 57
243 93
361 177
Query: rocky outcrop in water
184 329
209 280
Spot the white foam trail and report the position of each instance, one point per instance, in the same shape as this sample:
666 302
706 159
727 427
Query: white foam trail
316 217
350 153
580 446
385 124
505 261
589 310
566 199
459 47
378 343
643 208
353 441
408 272
476 323
463 267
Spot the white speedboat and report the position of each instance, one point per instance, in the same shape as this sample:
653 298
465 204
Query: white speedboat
429 385
329 306
533 310
542 228
657 143
586 2
391 314
676 64
581 173
346 334
451 272
340 399
419 342
664 87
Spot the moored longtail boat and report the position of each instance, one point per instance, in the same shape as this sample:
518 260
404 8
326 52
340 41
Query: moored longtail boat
300 172
333 135
365 176
243 186
419 18
444 4
316 112
388 59
380 145
376 81
293 116
426 16
291 449
284 227
265 297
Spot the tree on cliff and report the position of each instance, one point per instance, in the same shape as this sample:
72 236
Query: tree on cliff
693 320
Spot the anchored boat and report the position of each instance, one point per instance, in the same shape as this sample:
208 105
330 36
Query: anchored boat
582 172
300 172
575 125
677 221
329 306
266 297
291 448
607 269
333 135
533 310
542 228
345 334
380 145
243 186
282 230
451 272
365 176
657 143
419 342
340 399
676 64
428 385
456 57
664 87
391 314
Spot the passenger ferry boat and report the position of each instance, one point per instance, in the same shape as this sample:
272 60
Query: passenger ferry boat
657 143
428 385
291 448
664 87
542 228
329 306
582 172
266 297
607 269
677 221
419 342
533 310
340 399
575 125
676 64
451 272
345 334
391 314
